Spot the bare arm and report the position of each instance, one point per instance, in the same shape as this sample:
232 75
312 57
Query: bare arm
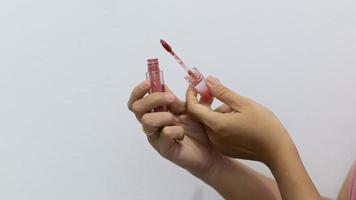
233 180
291 176
248 130
182 140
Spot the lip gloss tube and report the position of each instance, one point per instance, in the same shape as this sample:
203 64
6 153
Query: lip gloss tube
197 80
194 77
155 75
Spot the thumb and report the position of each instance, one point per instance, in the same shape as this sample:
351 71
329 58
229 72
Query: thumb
224 94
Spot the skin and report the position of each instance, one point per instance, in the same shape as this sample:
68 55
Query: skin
199 139
248 130
181 139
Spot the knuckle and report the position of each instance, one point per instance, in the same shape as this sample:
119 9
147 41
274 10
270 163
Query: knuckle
223 91
184 117
166 131
171 118
150 120
135 107
180 129
154 123
145 119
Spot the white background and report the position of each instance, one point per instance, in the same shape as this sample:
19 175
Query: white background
67 68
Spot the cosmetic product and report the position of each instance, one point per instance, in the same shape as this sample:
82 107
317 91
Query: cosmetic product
155 75
194 77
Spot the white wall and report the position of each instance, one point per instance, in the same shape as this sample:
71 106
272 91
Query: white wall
67 68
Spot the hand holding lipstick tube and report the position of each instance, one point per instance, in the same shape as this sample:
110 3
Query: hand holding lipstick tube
178 137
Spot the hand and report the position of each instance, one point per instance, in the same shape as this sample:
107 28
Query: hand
240 128
174 134
245 129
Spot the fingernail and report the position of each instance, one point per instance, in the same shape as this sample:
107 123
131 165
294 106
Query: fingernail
212 81
170 97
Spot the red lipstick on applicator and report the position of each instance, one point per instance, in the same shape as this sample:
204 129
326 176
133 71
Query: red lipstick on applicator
194 77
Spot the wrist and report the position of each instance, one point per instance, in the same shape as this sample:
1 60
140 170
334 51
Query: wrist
292 178
232 180
220 167
282 152
224 177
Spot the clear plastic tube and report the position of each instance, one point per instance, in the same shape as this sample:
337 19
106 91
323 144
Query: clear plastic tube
197 80
155 75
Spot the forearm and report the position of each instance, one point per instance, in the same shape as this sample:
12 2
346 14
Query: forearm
233 180
292 178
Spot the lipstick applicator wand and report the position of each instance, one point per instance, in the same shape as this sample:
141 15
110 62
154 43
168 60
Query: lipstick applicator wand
194 77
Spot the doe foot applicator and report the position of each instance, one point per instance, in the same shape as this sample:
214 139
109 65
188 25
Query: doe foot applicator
194 77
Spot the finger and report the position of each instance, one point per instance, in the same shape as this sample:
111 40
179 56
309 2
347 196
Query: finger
223 109
224 94
201 112
151 122
151 101
153 140
193 128
138 92
169 136
178 106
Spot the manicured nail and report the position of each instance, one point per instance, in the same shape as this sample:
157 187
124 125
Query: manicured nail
170 97
212 81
